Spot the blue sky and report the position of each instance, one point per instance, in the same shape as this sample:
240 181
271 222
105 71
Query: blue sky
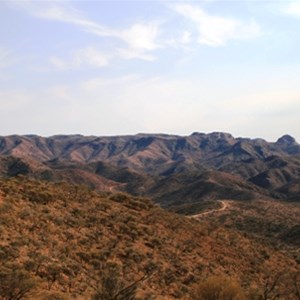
123 67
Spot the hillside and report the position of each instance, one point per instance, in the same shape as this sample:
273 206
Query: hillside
171 169
64 240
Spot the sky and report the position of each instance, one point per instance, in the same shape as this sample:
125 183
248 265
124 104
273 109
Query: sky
126 67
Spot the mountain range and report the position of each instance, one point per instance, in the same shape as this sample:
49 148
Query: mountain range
173 170
68 230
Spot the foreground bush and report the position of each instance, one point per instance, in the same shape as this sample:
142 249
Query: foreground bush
218 288
15 284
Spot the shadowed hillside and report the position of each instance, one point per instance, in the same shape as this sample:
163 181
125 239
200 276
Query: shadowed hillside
171 169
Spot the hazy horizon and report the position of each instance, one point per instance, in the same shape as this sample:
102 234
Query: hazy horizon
144 133
175 67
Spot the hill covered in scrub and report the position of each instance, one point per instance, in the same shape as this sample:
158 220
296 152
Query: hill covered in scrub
64 241
171 169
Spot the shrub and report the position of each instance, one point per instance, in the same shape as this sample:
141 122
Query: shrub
53 296
39 196
218 288
112 287
119 197
15 284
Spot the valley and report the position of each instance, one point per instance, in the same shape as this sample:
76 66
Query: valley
149 150
160 214
173 170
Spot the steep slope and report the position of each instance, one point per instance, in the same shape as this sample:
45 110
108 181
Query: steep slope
190 188
140 163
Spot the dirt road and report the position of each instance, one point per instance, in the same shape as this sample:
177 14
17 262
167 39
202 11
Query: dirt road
225 205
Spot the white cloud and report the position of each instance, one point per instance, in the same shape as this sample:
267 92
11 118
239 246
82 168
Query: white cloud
139 38
292 8
86 56
127 53
59 63
185 37
92 56
95 58
63 12
216 30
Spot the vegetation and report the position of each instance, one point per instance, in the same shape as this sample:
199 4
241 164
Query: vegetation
15 283
218 288
61 241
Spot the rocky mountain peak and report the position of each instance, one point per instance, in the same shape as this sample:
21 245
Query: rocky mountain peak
286 140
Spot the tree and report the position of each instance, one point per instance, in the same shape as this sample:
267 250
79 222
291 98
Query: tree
270 289
112 287
15 284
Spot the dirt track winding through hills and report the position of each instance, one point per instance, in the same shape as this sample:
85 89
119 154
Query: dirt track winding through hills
225 205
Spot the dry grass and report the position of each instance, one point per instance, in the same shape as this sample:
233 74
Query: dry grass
66 238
